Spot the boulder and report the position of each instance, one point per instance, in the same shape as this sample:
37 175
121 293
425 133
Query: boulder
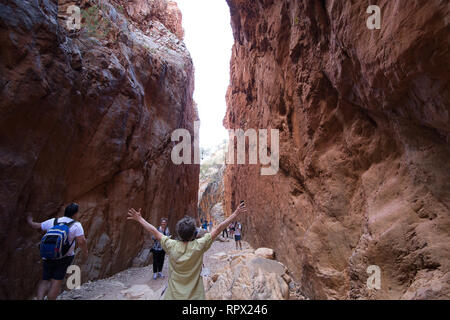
141 292
248 277
265 253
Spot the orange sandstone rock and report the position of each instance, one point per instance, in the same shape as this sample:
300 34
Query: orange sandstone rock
364 128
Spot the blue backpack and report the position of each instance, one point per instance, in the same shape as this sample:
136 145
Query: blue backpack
55 243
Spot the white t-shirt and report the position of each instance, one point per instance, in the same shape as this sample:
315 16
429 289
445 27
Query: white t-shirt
238 228
75 230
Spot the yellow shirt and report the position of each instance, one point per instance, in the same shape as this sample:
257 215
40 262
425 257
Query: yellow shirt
185 266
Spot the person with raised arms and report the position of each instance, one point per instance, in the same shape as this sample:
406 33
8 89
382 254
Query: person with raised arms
185 254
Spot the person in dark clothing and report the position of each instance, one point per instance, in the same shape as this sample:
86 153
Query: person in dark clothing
158 252
225 232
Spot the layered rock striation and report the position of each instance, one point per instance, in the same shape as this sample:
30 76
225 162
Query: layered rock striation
86 116
364 142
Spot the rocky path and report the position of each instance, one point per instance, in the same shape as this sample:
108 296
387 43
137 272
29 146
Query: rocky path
138 283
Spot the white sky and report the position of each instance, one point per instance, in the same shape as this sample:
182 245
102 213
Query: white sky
209 38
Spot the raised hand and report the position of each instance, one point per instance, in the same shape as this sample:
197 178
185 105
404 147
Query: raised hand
241 209
134 215
33 224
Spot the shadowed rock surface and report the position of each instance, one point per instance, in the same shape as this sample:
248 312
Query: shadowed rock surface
87 117
364 130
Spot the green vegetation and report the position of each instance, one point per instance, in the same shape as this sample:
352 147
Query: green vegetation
96 21
96 25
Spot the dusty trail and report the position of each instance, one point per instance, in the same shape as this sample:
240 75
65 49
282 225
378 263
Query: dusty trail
138 283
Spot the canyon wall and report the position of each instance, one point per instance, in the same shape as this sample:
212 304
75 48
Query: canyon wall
211 189
86 116
364 142
211 194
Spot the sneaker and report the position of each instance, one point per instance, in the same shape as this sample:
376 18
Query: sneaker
160 275
155 275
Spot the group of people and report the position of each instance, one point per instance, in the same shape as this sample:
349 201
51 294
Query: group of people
206 225
235 230
185 253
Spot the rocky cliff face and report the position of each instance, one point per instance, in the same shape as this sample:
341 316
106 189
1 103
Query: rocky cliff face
147 12
210 195
364 129
86 116
211 190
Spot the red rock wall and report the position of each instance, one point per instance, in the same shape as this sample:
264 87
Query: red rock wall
89 120
364 142
147 11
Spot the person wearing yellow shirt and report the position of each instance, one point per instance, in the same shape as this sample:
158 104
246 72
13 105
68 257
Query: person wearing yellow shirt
185 254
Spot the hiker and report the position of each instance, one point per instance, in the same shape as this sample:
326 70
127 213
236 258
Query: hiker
205 224
237 234
232 229
57 259
210 225
158 252
225 231
185 255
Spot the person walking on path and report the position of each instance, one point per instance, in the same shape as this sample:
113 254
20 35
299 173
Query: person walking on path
225 231
54 269
232 229
185 255
238 234
158 252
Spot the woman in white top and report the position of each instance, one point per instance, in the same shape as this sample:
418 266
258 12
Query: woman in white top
158 252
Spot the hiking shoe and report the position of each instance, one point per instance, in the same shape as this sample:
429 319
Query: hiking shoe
160 275
155 275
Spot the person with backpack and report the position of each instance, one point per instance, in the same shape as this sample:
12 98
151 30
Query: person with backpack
186 254
158 252
57 249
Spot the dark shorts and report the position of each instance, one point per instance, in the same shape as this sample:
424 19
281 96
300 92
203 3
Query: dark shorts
237 238
56 269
